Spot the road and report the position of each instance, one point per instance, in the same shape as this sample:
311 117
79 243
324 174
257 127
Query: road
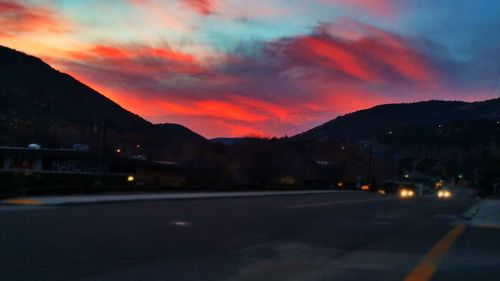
338 236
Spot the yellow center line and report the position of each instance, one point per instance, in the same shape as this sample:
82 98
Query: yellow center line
426 268
330 203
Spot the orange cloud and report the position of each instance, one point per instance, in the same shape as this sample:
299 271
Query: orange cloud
16 18
114 52
141 60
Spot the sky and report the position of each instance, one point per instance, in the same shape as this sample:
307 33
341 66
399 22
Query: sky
237 68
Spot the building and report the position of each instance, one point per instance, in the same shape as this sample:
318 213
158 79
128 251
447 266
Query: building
44 167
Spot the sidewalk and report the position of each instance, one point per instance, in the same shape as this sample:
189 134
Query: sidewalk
487 215
92 199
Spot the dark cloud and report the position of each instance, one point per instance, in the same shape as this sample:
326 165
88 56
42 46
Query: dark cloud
273 88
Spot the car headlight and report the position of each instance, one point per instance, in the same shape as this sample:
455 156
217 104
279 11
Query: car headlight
444 194
405 193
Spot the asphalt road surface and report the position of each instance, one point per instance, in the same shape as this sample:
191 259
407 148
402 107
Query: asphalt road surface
338 236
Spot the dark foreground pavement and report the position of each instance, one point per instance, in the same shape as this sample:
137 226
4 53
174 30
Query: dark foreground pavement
338 236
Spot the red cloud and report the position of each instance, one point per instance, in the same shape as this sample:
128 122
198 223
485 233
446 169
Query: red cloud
204 7
379 57
138 60
112 52
18 18
400 59
286 87
214 109
337 56
231 108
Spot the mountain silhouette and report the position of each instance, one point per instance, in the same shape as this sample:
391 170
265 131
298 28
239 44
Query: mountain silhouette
407 118
39 104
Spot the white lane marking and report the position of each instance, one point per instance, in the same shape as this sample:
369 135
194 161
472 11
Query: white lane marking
331 203
180 223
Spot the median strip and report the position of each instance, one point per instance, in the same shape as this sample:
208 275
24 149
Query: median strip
428 266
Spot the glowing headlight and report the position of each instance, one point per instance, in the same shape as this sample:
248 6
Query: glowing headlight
444 194
404 193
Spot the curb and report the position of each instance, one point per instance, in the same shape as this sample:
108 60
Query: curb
60 201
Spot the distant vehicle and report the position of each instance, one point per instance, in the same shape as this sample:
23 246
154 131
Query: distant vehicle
407 192
345 185
392 187
444 193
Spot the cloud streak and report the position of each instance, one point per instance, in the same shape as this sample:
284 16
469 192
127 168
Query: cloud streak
279 87
232 68
17 18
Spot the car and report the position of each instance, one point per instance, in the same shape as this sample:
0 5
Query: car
406 193
444 194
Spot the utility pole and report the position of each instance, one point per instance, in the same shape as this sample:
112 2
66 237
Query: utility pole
104 132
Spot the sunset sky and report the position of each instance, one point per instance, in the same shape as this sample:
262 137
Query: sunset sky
263 68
